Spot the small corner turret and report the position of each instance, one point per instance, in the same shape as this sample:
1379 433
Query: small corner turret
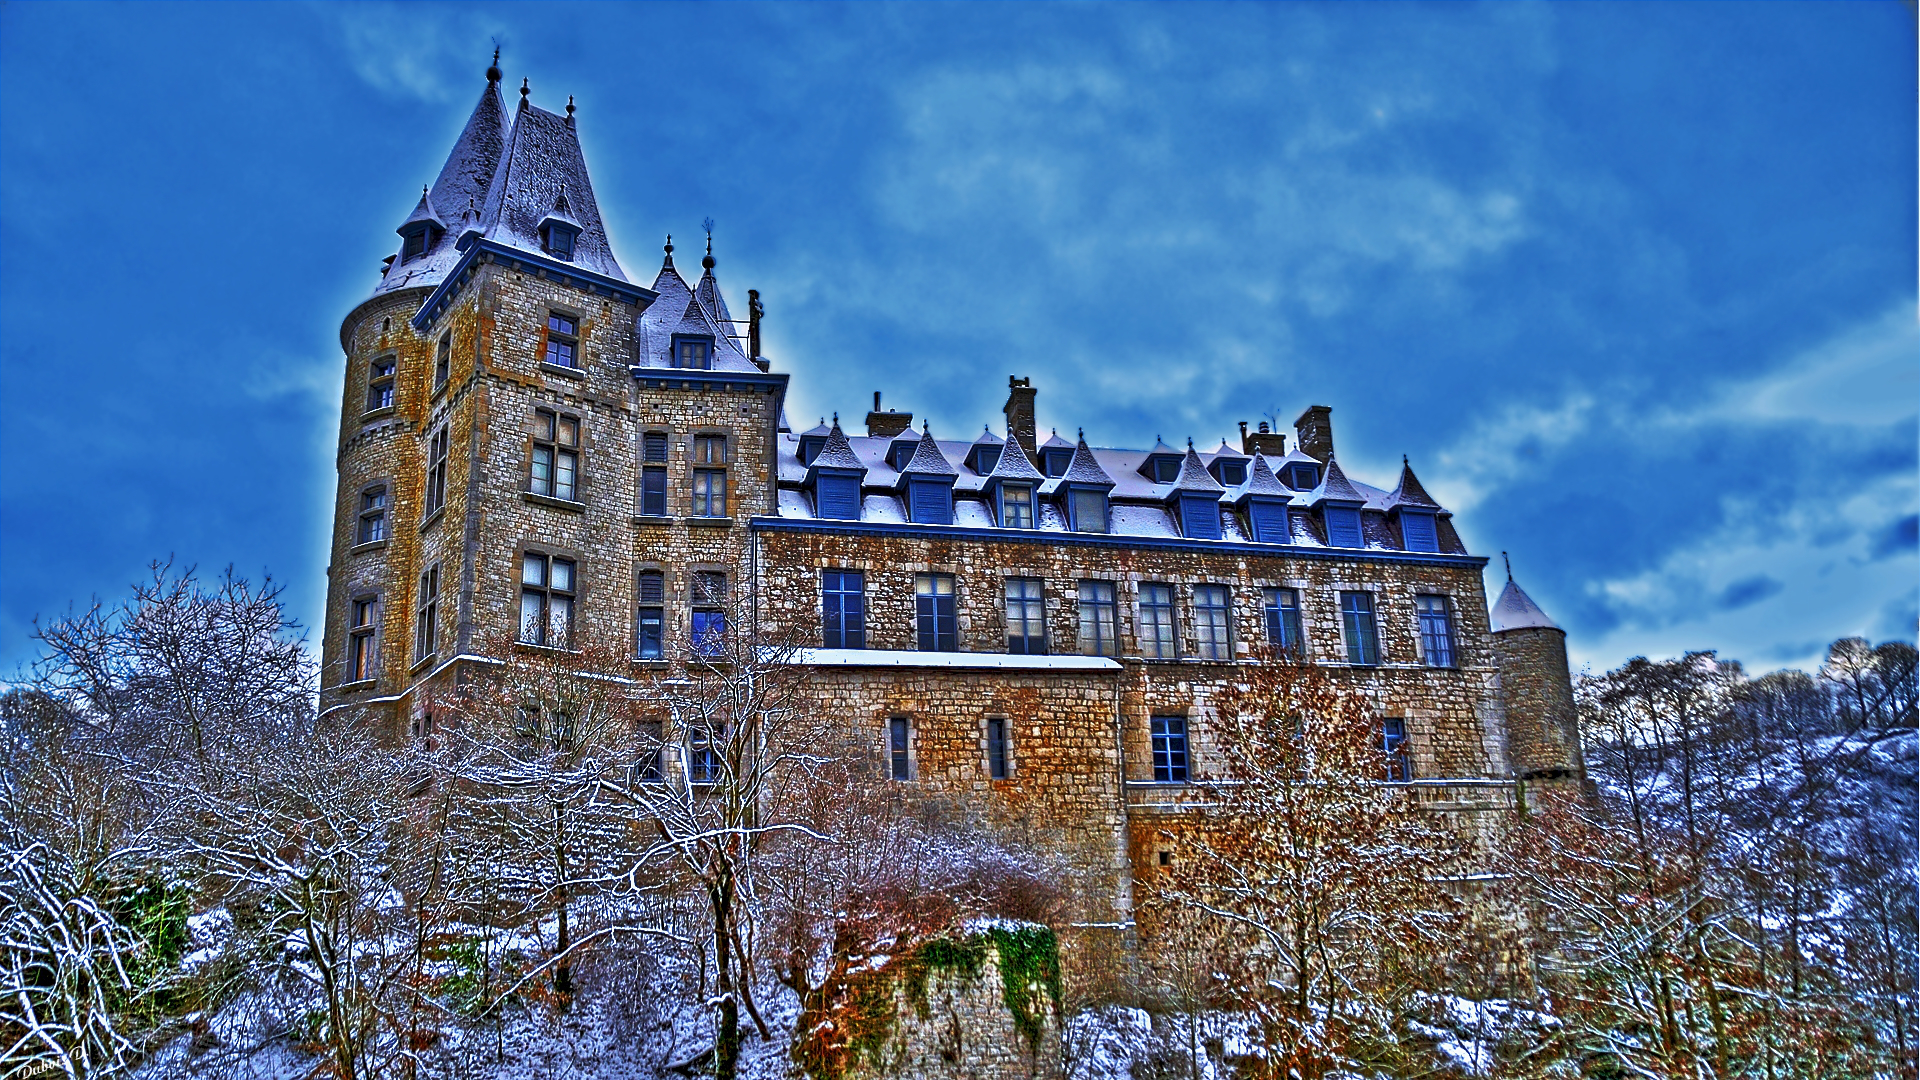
1536 684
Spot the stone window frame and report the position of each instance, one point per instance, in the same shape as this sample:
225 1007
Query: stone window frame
1140 618
443 362
643 604
723 468
578 339
901 727
378 382
558 415
1114 609
1006 619
368 632
1007 766
1192 589
662 467
696 603
364 515
1451 612
433 495
426 616
578 594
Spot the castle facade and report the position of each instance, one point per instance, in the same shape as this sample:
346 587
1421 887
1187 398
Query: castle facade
535 449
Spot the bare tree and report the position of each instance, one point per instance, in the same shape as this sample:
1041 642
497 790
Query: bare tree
1321 882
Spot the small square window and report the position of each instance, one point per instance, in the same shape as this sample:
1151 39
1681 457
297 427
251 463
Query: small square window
560 242
1016 506
694 353
563 341
1169 734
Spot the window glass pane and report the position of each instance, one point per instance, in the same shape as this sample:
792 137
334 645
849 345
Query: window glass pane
569 431
1026 633
934 612
997 748
566 465
897 747
1169 735
1436 630
653 491
1156 622
559 620
650 644
533 569
563 575
1016 506
1210 622
542 472
532 615
1089 511
1098 619
1356 616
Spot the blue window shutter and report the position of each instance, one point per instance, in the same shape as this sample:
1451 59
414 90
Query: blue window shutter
932 503
1200 517
1343 527
1418 531
838 497
1269 522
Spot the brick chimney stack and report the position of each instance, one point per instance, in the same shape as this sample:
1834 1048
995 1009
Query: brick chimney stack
1314 430
885 425
1019 410
1265 441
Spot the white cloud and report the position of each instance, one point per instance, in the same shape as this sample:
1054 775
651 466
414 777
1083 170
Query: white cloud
406 50
1867 374
1505 449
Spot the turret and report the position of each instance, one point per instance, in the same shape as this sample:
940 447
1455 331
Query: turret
1543 730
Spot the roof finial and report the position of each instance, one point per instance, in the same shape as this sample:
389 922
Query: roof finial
569 106
1509 562
493 72
1404 463
1083 434
707 224
668 265
525 92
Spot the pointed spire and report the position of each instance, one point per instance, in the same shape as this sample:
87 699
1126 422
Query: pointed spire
463 180
1083 469
569 110
668 263
1409 492
837 452
1335 486
1509 562
1194 475
1014 464
493 70
927 460
1261 481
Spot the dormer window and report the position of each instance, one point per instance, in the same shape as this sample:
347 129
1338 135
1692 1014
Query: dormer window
693 353
1089 509
1302 477
1200 517
1230 472
1016 506
1343 527
559 240
1166 470
810 446
1055 462
413 242
1418 532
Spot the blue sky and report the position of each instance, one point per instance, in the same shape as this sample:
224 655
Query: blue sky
1633 285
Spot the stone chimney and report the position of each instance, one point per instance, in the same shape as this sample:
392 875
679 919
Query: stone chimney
885 425
1314 433
1019 410
1264 441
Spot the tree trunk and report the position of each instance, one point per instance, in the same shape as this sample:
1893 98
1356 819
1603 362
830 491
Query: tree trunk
726 1040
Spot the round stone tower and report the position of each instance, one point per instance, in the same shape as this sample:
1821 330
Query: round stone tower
1543 731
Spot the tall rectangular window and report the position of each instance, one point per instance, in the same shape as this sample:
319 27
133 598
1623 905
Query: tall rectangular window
653 474
546 600
1282 610
556 455
1436 630
1157 639
1089 510
646 767
652 633
362 632
1397 763
380 383
996 747
373 515
709 613
709 481
426 618
1026 618
899 757
1099 619
443 360
563 341
1169 749
1357 623
934 613
1016 506
1212 620
703 757
436 493
843 606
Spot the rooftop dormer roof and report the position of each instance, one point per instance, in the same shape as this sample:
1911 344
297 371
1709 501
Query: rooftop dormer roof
462 183
927 460
1084 469
1262 482
1194 477
1335 487
542 162
1515 610
838 453
1014 464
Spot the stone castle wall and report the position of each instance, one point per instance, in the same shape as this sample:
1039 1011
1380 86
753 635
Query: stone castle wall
1542 726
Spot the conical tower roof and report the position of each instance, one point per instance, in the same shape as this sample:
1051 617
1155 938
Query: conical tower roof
1083 469
1335 486
1409 492
542 163
1014 464
837 453
927 460
463 182
1194 476
1515 610
1261 481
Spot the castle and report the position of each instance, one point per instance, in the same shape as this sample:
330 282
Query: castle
535 447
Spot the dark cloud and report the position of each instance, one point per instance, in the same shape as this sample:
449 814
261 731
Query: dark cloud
1899 538
1747 591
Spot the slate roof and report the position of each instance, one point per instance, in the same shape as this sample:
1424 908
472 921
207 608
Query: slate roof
1194 477
1334 485
837 453
1084 469
1014 464
1228 452
1515 610
927 459
679 311
1409 492
462 183
543 157
1055 442
1261 481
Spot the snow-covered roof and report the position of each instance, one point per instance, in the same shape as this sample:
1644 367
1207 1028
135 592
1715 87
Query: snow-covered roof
1194 477
458 191
1014 464
678 310
1515 610
1334 485
543 161
1409 492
